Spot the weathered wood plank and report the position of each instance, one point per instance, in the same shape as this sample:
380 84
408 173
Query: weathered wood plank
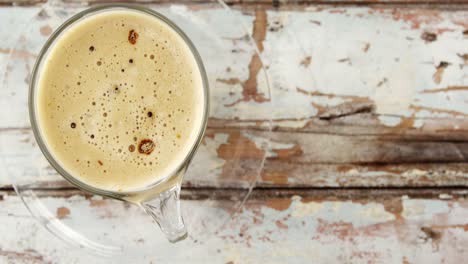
7 3
420 85
245 3
393 227
352 124
361 114
292 159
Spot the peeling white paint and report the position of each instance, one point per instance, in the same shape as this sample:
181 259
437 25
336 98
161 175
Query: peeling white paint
339 67
444 196
418 123
305 209
327 232
207 162
420 209
414 173
273 145
377 213
389 120
393 76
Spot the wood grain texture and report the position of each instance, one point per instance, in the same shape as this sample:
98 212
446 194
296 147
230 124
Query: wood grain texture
364 136
376 125
294 160
246 3
395 227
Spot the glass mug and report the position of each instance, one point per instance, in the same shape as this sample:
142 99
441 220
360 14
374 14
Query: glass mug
161 198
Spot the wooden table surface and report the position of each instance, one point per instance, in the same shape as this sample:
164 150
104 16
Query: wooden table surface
363 141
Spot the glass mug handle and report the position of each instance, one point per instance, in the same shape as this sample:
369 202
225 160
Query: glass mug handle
165 210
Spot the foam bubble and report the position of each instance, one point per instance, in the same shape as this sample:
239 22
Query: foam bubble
131 148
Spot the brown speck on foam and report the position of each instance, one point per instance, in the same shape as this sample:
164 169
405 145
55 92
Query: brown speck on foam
132 37
146 146
100 162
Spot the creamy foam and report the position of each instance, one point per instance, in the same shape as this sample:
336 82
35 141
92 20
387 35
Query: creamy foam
120 100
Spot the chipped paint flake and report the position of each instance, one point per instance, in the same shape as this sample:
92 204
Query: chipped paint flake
377 213
414 173
301 209
390 121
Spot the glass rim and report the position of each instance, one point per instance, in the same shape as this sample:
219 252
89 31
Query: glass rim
32 102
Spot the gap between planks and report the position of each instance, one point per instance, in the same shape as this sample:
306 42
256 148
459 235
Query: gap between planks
361 193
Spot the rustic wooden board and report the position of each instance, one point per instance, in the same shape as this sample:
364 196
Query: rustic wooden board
411 84
377 164
395 116
367 97
326 227
245 3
